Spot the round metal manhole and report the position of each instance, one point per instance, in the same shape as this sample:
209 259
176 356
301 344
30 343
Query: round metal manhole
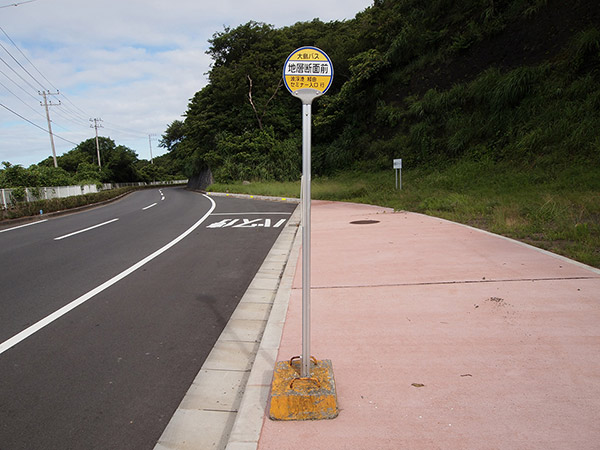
364 222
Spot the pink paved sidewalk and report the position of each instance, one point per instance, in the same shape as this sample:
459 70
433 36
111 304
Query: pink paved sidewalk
444 337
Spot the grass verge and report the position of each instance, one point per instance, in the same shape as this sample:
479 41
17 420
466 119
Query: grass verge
554 209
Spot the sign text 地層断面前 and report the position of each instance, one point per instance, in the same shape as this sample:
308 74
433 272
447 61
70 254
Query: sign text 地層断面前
308 68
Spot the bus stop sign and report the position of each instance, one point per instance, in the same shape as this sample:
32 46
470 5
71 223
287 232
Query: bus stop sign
308 73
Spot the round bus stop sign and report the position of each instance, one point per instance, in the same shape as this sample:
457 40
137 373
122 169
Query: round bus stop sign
308 73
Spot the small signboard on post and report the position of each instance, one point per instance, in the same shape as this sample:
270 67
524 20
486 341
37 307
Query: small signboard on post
398 169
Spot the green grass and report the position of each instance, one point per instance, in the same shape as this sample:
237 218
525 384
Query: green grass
557 210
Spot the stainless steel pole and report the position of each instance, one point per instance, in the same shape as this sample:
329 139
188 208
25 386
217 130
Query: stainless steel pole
306 169
400 172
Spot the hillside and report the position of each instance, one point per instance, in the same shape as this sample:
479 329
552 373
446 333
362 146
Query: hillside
432 82
539 36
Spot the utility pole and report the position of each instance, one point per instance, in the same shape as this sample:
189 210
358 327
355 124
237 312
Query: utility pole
96 125
45 104
150 143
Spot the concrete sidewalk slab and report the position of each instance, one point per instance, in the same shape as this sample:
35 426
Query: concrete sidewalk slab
443 336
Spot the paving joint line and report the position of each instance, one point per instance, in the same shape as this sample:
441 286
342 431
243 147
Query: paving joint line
442 283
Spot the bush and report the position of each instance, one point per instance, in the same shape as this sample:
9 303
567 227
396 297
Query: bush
24 209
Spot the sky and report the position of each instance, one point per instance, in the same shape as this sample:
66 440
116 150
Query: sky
132 63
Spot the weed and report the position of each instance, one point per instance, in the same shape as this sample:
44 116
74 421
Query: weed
559 213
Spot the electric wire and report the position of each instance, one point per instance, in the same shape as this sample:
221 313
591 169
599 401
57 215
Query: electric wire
21 66
27 59
22 101
19 86
36 125
69 111
17 4
74 113
18 74
76 120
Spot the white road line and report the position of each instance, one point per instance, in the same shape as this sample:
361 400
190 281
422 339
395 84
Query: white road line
23 226
253 214
84 298
84 230
149 206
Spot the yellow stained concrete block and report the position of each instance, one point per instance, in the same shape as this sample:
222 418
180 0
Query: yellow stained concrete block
295 398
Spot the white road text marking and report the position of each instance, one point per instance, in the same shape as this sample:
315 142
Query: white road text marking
246 223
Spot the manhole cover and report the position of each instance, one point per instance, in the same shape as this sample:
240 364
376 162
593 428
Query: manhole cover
364 222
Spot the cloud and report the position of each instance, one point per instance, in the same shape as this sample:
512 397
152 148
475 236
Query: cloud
134 63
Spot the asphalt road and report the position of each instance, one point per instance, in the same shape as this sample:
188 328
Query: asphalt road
146 285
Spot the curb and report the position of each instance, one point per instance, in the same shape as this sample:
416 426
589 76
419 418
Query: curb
248 423
223 408
255 197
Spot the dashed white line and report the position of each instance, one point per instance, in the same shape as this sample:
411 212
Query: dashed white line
84 298
23 226
85 229
149 206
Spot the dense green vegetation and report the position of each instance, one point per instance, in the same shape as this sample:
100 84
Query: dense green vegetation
493 105
80 166
33 208
431 82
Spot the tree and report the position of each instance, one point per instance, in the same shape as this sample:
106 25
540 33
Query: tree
14 176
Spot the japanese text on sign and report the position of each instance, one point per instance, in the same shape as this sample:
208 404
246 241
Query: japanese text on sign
308 68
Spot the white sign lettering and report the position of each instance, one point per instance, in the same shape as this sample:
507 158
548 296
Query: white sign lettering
247 223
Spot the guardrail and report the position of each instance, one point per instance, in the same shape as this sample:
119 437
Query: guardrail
7 197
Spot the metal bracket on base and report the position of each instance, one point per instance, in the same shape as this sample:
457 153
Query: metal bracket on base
294 397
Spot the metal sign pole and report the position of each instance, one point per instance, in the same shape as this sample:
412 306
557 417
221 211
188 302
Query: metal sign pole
306 196
307 74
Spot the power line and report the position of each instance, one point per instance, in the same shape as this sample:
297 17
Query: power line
19 86
79 121
17 4
129 131
20 99
35 125
84 114
70 111
18 74
21 65
26 58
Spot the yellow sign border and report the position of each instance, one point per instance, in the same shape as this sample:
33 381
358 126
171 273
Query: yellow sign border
308 68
